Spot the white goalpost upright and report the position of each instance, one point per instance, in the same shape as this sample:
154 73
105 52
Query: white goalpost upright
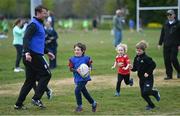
34 4
139 8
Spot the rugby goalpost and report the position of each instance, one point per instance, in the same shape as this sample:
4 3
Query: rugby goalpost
139 8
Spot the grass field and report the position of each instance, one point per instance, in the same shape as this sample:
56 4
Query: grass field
102 86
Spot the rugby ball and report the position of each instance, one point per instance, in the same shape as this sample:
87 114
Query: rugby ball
84 70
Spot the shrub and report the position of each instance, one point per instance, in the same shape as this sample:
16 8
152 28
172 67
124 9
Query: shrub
154 25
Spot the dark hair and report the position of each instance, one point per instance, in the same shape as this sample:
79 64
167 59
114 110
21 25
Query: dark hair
82 46
51 13
17 21
39 9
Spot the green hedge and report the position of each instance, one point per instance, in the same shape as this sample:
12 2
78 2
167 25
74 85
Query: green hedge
77 24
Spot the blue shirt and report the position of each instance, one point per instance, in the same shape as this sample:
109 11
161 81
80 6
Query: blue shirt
75 62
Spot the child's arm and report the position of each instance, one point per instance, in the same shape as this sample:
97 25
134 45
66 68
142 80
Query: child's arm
114 66
90 64
71 66
151 67
72 69
127 67
127 62
134 67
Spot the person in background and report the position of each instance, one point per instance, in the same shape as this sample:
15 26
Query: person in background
170 38
51 18
140 25
51 36
94 23
18 34
85 25
118 21
51 43
5 25
131 25
70 24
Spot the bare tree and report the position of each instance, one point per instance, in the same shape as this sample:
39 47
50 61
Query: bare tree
63 8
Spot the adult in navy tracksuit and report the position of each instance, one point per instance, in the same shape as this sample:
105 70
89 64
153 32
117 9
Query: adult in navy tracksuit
144 65
35 65
170 38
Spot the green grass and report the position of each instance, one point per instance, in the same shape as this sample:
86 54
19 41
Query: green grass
129 103
99 47
101 50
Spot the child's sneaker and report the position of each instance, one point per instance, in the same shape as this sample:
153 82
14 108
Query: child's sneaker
131 82
149 107
78 109
38 103
157 96
18 69
22 107
94 106
49 94
117 94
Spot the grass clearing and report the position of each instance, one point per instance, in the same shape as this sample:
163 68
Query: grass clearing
102 86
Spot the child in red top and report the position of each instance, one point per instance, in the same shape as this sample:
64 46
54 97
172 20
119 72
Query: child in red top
122 63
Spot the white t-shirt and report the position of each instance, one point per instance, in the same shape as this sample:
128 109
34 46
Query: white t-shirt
49 19
171 22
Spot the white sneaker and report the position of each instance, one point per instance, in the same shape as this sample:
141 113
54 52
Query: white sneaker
20 69
16 70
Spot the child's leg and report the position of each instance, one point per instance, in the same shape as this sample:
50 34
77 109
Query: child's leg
78 88
146 89
156 94
47 89
52 63
87 95
118 85
49 93
127 80
153 92
89 98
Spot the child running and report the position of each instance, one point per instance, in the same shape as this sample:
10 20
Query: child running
122 63
80 82
144 65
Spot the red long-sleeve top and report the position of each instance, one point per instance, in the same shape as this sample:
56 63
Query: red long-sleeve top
125 61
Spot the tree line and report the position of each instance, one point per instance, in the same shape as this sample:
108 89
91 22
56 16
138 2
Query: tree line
86 8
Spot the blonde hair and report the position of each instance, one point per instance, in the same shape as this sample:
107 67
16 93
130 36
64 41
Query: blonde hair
124 46
142 45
